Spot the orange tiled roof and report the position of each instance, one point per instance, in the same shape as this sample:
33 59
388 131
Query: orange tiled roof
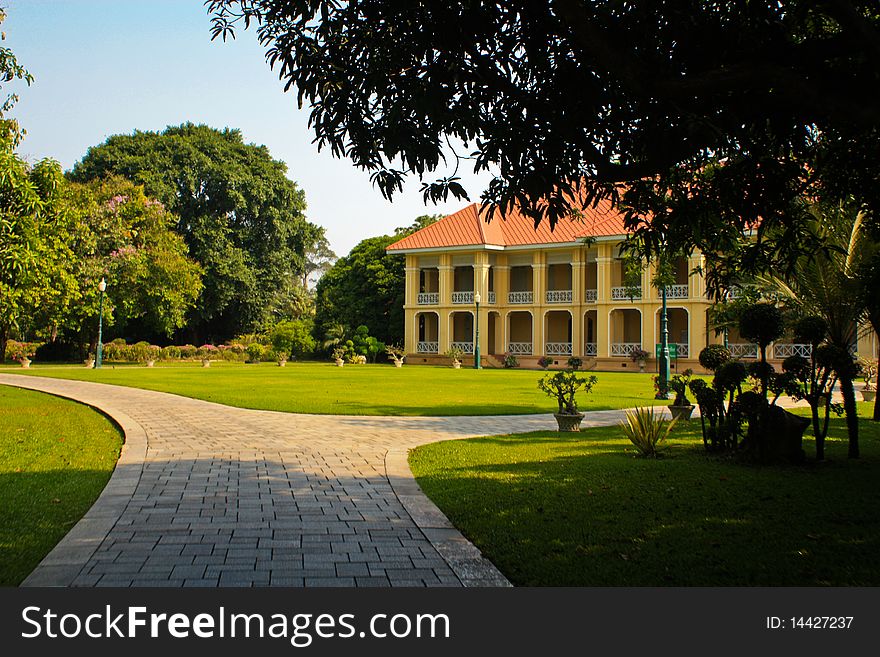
468 227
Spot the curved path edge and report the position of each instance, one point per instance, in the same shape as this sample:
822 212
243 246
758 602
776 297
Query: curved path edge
66 560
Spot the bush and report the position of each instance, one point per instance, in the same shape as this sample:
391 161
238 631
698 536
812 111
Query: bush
679 385
761 323
639 354
57 351
545 361
647 431
714 356
188 352
510 361
255 352
171 353
810 330
293 338
575 363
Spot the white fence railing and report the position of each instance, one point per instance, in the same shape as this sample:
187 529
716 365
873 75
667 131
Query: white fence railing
624 348
743 350
491 297
519 297
557 348
466 347
677 292
784 350
428 347
590 349
462 297
623 293
429 298
591 296
519 348
558 296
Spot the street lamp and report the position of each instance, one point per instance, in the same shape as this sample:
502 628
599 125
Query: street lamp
663 383
477 365
102 286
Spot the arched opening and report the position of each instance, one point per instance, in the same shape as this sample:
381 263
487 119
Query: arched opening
519 333
428 333
557 333
462 331
678 325
625 331
590 346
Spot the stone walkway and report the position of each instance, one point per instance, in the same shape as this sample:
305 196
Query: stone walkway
211 495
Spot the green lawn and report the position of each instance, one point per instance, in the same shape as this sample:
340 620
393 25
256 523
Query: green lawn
360 389
561 510
55 458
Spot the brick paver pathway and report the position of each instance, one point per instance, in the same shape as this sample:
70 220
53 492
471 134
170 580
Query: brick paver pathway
211 495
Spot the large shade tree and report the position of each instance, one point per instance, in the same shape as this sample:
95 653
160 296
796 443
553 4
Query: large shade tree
603 98
241 217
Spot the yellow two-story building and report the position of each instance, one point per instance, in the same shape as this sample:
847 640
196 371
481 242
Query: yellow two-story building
534 292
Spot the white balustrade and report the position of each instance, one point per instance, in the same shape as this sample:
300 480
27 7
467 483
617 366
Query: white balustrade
428 347
623 293
677 292
491 296
590 349
463 297
466 347
784 350
624 348
558 296
519 348
519 297
428 298
591 296
557 348
743 350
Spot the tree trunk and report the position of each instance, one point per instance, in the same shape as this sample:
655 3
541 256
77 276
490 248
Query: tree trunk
4 339
876 417
817 432
852 415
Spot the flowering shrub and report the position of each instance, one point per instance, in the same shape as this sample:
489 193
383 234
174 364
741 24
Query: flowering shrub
545 361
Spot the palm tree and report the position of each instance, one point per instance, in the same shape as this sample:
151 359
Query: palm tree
334 336
828 284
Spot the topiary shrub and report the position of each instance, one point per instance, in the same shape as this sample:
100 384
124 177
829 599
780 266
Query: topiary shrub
255 352
714 356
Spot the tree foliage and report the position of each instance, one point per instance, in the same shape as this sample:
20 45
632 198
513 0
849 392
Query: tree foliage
714 117
366 287
240 216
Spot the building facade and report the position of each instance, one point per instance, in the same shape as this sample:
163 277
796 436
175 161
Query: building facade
554 294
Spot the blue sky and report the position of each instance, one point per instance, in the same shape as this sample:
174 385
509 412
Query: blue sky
105 67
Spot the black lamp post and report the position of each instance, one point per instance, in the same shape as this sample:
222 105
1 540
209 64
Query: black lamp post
477 364
102 286
663 384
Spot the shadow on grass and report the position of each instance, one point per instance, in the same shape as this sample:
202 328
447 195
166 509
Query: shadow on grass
563 512
38 509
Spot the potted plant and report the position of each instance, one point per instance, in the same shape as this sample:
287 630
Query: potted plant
23 354
455 354
681 407
89 362
564 386
544 362
575 363
282 357
338 356
510 361
869 376
396 353
151 355
640 357
206 353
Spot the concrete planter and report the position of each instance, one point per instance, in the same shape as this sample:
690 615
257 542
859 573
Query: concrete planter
398 363
25 362
150 363
456 365
206 362
568 422
89 363
681 412
339 362
282 363
869 395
